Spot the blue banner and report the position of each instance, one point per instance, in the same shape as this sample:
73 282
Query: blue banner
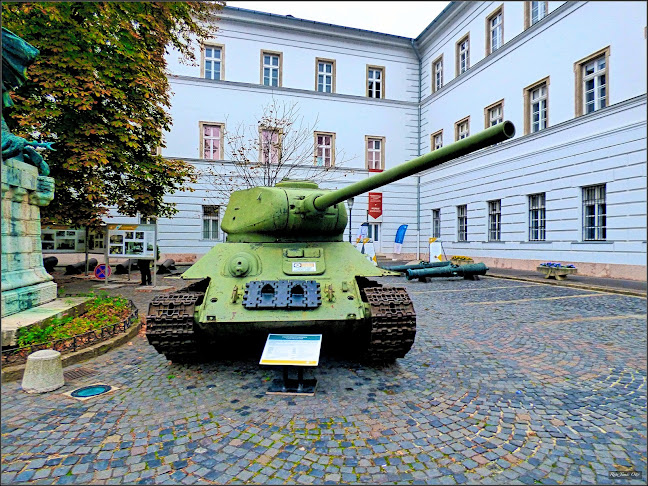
400 234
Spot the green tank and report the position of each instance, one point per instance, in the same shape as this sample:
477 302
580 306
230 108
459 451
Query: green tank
285 268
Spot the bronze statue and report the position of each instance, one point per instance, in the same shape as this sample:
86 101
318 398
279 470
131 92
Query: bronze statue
16 56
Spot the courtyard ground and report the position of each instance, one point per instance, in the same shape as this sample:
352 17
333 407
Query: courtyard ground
508 382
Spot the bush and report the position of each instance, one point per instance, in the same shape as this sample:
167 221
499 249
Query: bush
102 310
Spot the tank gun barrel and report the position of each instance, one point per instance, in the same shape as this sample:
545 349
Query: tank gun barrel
490 136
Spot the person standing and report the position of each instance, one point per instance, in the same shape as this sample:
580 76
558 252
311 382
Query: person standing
145 269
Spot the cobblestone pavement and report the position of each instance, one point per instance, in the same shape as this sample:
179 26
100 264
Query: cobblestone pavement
508 383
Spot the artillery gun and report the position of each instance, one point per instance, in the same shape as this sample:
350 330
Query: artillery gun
286 269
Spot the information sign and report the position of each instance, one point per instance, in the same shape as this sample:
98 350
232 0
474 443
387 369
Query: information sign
292 349
131 240
102 271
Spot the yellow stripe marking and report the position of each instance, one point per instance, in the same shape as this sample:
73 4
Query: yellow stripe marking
284 362
530 300
469 290
596 318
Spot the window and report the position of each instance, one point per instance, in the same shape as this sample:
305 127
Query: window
210 222
212 65
462 129
211 140
436 223
534 12
592 82
462 223
494 114
437 74
495 30
324 149
463 55
536 106
271 68
375 82
375 153
373 232
594 224
325 75
436 140
537 217
495 220
270 146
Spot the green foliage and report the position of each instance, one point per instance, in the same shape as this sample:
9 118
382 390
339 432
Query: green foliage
102 310
99 90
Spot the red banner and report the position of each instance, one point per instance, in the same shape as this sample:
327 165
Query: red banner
375 204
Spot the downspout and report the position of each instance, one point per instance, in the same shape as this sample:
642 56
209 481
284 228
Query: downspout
418 150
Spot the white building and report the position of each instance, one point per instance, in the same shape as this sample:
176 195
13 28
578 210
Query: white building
571 76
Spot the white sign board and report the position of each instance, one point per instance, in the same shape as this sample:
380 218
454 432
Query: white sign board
292 349
436 250
131 240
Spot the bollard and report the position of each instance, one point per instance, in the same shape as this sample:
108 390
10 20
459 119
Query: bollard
43 372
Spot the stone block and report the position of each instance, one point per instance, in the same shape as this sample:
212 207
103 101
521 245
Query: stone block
43 372
23 298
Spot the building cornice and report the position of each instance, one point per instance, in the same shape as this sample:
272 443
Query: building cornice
236 85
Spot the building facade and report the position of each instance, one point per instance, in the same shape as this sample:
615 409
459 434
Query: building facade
569 187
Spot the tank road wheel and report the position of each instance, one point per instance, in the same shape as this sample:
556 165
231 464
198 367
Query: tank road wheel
170 326
392 323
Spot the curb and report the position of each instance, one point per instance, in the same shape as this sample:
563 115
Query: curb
611 290
13 373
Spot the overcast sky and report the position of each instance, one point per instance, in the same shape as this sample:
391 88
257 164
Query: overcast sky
407 19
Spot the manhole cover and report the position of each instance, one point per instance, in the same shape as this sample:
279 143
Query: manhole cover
78 373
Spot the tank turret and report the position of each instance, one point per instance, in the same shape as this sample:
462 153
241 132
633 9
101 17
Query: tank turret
301 211
285 268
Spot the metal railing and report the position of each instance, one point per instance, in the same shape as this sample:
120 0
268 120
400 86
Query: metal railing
73 343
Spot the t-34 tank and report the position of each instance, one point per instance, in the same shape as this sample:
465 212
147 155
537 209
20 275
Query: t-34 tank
286 268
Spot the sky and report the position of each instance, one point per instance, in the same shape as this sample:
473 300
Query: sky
407 19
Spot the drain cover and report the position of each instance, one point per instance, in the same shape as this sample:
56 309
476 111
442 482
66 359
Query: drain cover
78 373
90 391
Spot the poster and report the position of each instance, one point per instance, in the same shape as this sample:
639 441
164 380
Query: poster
131 240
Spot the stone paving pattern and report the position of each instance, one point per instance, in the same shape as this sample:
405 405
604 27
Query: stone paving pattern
508 383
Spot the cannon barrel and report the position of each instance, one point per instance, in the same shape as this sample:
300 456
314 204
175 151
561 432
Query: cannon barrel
490 136
448 271
417 266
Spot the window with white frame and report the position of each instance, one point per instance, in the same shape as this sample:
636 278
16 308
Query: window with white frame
495 220
212 141
462 223
594 213
436 223
538 11
270 146
462 129
325 73
594 88
495 115
375 153
375 82
495 31
537 217
463 55
324 151
213 62
437 73
271 69
538 107
437 140
210 218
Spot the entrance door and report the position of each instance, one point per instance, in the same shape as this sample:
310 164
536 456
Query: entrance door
375 234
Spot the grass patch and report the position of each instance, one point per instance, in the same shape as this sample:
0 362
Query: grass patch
101 310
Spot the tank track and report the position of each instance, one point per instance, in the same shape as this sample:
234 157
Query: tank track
393 322
170 325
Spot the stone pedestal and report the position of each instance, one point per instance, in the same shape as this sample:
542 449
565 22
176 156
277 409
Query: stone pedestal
25 283
43 372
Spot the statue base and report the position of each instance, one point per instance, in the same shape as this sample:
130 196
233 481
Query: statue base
25 283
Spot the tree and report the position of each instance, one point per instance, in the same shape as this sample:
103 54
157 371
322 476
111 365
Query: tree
99 90
281 145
